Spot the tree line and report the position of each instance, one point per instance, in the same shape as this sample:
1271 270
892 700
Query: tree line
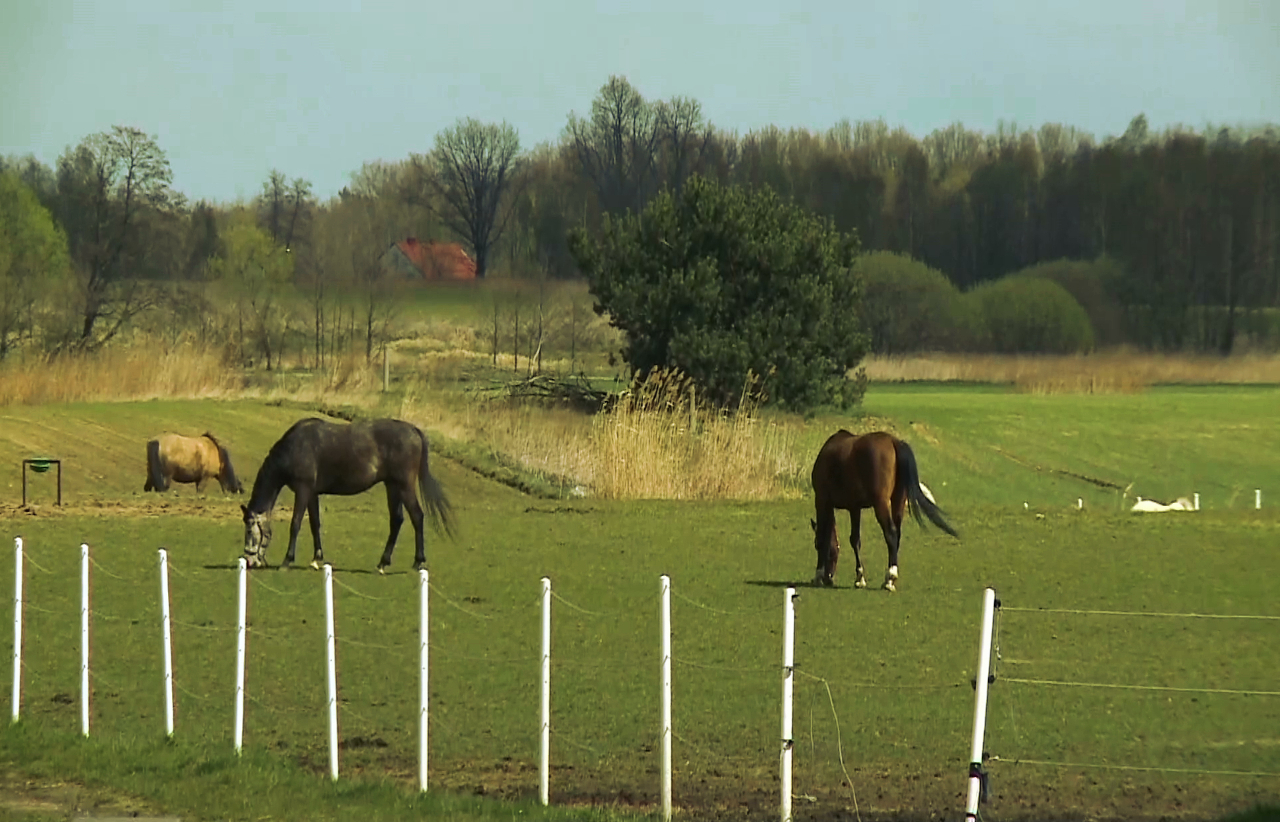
1182 225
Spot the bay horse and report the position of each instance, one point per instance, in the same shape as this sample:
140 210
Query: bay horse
317 457
175 458
876 471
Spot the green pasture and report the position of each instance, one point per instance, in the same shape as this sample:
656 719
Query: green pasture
883 680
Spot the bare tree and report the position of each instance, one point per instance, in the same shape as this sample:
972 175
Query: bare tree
107 190
285 208
616 148
301 204
271 204
684 139
471 180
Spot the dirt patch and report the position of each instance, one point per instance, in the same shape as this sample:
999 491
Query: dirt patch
734 793
195 507
924 432
23 797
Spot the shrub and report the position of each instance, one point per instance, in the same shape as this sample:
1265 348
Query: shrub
1093 284
908 306
1031 315
720 282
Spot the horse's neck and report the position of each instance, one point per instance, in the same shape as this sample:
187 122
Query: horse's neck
266 488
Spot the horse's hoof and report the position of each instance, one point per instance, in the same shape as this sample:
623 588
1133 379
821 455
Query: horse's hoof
890 586
315 565
861 583
382 569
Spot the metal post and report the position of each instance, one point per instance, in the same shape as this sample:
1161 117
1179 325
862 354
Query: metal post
544 768
84 638
17 626
332 668
167 638
976 775
788 682
424 695
240 650
665 589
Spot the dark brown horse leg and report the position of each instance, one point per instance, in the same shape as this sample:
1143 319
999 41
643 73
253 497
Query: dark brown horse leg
300 501
824 540
855 539
313 517
395 510
419 533
892 534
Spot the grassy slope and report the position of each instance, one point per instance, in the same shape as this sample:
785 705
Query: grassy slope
987 445
905 744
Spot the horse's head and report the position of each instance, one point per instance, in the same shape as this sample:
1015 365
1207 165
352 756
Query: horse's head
257 537
229 481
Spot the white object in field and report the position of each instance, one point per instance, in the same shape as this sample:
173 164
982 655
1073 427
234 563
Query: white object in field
1150 506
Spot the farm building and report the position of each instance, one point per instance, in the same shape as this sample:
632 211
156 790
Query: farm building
430 260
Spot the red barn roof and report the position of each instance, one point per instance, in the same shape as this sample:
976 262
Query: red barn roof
438 261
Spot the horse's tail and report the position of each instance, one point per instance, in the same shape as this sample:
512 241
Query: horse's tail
909 476
226 473
155 469
433 497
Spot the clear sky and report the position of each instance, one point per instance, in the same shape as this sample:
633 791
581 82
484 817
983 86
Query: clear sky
234 89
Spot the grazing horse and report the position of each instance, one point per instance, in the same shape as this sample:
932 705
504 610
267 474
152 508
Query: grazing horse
876 471
175 458
317 457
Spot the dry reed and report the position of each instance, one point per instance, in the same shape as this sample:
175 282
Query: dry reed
658 443
1106 372
117 374
652 445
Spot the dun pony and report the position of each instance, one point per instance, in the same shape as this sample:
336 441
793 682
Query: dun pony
175 458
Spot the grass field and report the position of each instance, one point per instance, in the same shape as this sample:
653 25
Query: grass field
897 666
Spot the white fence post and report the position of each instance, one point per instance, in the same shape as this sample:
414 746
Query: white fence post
788 674
544 767
976 775
666 695
17 626
84 638
240 642
332 667
1257 499
167 638
1196 502
424 695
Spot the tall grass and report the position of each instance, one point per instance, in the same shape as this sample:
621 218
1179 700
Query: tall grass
137 373
1106 372
657 442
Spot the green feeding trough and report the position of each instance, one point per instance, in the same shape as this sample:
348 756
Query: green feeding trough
40 465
